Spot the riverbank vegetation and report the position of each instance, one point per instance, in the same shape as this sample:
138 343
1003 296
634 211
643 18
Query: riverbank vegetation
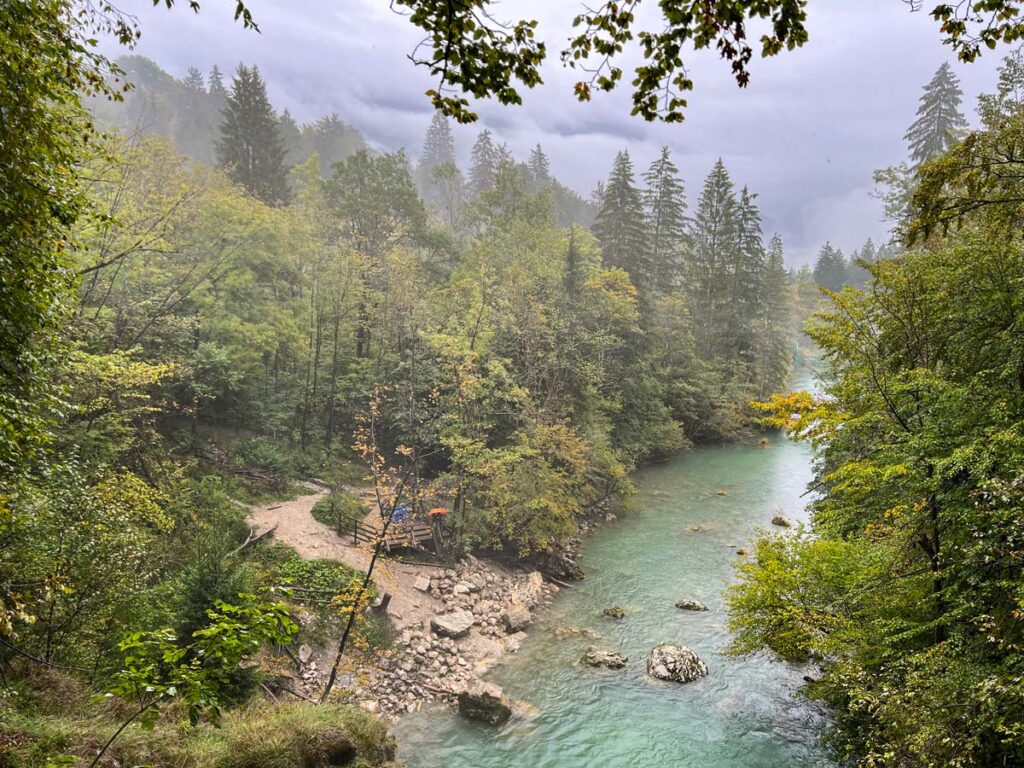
199 319
223 326
908 590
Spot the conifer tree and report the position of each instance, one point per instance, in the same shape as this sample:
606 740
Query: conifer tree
746 272
194 80
774 351
712 241
939 119
215 87
333 141
573 267
483 164
621 225
291 138
539 167
250 147
438 149
830 269
665 204
856 273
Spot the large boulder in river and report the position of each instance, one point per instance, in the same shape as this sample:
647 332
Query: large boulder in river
614 612
516 617
454 624
675 662
601 657
689 604
485 702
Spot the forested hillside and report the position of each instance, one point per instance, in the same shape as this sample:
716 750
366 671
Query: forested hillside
299 431
233 323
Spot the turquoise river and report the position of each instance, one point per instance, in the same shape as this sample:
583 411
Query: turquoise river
745 714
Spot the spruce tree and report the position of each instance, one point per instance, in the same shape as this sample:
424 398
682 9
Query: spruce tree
712 243
483 164
621 225
539 167
857 274
194 81
830 269
665 204
774 353
746 273
438 149
215 87
939 119
250 147
291 138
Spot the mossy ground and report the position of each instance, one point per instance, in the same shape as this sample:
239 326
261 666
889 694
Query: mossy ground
49 719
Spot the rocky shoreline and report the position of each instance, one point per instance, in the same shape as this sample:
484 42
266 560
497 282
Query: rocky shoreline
452 624
482 614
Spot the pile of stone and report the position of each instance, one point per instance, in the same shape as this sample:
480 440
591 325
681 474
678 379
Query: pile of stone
500 605
435 662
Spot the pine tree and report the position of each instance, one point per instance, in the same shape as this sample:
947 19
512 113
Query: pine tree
621 225
291 139
573 268
665 204
218 93
856 273
438 149
194 80
333 141
539 167
746 274
483 164
830 269
713 241
774 350
939 120
250 147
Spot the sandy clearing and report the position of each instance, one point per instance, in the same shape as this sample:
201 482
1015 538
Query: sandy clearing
311 539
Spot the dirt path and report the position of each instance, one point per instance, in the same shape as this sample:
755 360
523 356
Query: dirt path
311 539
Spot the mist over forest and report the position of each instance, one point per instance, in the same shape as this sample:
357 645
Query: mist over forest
319 452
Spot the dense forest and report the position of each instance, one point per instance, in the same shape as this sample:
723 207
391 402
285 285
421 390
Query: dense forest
206 304
908 588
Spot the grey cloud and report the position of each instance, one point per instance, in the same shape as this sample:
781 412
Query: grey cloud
806 135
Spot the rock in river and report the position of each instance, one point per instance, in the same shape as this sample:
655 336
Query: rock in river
486 702
688 604
614 612
454 624
780 521
516 618
600 657
671 661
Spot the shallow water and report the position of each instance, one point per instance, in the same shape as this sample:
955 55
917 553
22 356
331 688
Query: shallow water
745 714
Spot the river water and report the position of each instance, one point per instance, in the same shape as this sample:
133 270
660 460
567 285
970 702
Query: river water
745 714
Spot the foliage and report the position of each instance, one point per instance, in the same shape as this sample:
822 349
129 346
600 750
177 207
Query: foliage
157 667
909 593
250 147
338 508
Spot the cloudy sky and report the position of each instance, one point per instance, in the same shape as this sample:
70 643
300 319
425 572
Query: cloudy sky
805 135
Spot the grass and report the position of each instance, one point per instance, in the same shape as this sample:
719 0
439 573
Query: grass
49 719
340 506
334 584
